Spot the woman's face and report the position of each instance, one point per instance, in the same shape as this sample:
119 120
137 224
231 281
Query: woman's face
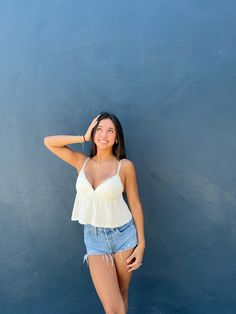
105 134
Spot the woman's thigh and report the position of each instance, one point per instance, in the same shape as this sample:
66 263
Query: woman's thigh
124 276
105 281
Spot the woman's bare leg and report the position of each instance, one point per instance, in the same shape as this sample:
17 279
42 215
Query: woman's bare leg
105 280
124 276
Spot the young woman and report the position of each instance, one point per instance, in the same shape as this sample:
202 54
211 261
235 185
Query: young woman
113 233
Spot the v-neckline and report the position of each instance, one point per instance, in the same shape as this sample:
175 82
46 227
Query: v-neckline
94 189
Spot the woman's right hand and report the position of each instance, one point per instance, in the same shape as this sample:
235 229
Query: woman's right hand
87 135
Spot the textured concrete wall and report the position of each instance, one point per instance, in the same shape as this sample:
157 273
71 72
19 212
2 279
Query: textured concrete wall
167 69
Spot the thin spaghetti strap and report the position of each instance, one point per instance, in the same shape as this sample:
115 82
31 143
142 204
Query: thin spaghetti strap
119 167
85 162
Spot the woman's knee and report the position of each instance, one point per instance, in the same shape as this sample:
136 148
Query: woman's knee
118 308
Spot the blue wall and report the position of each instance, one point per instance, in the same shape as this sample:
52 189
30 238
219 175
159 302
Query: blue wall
167 69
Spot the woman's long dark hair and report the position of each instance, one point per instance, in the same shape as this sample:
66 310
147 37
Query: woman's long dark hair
118 149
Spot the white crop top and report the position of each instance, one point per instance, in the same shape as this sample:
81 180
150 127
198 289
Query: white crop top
103 206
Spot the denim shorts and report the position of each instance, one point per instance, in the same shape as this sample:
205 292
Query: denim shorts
107 241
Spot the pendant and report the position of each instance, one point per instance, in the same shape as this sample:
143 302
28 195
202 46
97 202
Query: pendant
97 165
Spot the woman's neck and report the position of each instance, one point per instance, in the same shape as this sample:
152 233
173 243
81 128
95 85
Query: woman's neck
102 156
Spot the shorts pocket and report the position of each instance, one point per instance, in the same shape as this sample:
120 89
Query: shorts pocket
123 228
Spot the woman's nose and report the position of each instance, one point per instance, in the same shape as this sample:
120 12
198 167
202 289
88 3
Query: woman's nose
104 134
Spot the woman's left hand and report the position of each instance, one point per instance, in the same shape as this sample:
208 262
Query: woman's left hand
138 256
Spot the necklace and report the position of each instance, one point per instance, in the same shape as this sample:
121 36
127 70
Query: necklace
99 163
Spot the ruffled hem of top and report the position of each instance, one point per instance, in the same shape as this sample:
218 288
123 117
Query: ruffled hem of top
107 213
109 225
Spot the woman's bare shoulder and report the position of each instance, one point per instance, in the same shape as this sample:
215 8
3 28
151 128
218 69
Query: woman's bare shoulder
128 165
81 162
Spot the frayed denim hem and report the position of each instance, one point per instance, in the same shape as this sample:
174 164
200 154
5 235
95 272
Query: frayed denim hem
107 255
104 255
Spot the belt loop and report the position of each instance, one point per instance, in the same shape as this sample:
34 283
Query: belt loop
107 238
94 231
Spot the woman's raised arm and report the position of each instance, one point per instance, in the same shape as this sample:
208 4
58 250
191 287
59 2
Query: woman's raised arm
57 144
